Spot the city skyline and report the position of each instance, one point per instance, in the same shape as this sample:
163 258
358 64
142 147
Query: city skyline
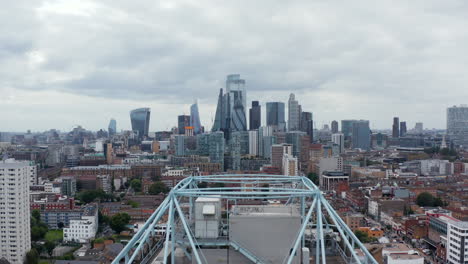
125 125
372 63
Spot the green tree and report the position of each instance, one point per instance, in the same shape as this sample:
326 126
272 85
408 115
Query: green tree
425 199
119 221
438 202
38 232
313 177
157 188
32 257
133 204
363 236
49 247
136 185
36 215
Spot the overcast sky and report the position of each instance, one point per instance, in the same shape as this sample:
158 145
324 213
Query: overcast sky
70 62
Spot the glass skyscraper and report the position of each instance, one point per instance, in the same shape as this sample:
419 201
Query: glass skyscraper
275 115
230 111
347 128
195 118
112 127
140 119
183 121
361 135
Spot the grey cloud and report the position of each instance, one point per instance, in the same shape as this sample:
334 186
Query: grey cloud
174 51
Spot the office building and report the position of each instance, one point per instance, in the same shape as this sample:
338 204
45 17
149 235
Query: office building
457 242
243 139
334 127
140 119
112 127
183 121
347 128
275 115
253 142
418 128
361 135
294 138
195 118
294 114
396 127
403 130
457 125
255 116
338 138
277 153
212 145
230 112
179 142
15 236
307 124
290 165
379 141
68 187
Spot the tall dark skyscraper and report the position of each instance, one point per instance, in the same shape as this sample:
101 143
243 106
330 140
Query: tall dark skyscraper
334 126
182 122
396 127
255 116
140 119
307 124
231 108
275 115
402 128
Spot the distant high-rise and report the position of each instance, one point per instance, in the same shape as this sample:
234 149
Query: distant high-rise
255 117
15 239
237 102
396 127
307 124
220 116
334 127
402 129
195 118
140 119
230 111
338 138
361 136
179 145
112 127
294 113
457 125
183 121
277 153
275 115
347 128
418 128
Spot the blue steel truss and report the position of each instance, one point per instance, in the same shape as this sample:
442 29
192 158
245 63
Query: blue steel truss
315 210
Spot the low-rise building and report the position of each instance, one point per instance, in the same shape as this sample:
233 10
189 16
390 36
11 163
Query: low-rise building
84 229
